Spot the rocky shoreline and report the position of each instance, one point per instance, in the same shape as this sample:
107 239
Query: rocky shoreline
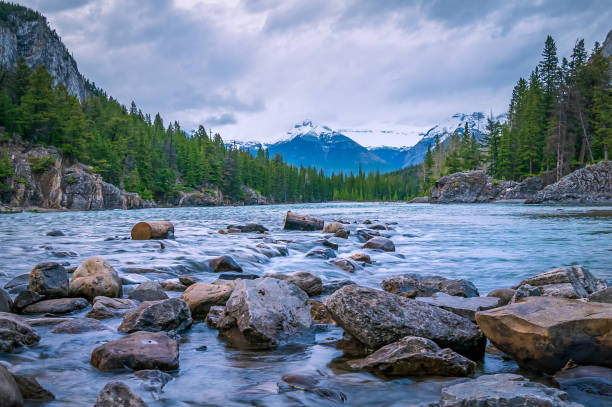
557 323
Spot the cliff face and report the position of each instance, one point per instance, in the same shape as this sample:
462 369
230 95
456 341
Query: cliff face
42 177
26 33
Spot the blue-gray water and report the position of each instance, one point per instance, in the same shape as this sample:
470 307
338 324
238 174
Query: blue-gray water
494 246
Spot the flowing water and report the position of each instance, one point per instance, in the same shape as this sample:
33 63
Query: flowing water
494 246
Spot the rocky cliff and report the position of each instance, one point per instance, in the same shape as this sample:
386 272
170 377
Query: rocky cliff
42 177
592 184
25 33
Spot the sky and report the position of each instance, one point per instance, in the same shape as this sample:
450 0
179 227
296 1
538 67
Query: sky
251 69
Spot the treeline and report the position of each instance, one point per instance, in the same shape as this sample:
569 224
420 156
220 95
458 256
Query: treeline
140 154
559 119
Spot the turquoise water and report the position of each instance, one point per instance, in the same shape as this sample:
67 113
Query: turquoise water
494 246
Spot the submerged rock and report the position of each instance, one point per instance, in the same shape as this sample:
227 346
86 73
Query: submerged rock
9 392
149 291
592 385
264 312
504 389
201 296
361 257
414 356
30 389
49 279
333 227
345 264
118 394
137 351
15 332
380 243
249 228
224 263
164 315
333 285
544 333
377 318
466 307
567 282
105 307
95 277
56 306
308 282
79 325
322 253
413 285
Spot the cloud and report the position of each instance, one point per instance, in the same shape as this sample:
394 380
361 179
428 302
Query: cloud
221 120
253 68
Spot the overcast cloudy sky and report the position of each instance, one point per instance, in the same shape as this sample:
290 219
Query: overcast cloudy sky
250 69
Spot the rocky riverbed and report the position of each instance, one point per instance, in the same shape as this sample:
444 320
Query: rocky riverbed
389 304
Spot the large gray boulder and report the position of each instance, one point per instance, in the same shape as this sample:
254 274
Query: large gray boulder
148 291
380 243
105 307
118 394
503 390
467 187
56 306
163 315
414 285
377 318
137 351
414 356
264 312
10 396
592 184
466 307
30 389
308 282
49 279
567 282
15 332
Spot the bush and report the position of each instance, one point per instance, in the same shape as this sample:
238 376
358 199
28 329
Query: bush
22 180
6 167
42 164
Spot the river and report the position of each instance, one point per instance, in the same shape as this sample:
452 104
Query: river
494 246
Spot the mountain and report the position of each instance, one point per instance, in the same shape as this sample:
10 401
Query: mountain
311 144
26 33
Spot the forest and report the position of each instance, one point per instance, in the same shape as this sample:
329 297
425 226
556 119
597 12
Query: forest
559 119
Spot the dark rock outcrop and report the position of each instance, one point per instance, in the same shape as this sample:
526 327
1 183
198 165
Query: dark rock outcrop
467 187
163 315
49 279
592 184
15 332
377 318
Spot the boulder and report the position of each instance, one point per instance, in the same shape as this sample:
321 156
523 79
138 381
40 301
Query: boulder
188 280
361 257
95 277
294 221
378 226
567 282
333 285
137 351
105 307
213 315
79 325
333 227
173 284
319 313
503 390
164 315
592 385
49 279
224 263
544 333
377 318
6 304
26 298
525 291
56 306
604 295
308 282
413 285
327 243
591 184
132 278
366 234
201 296
466 307
321 253
9 392
414 356
380 243
504 295
15 332
249 228
342 233
55 233
118 394
153 380
261 313
149 291
467 187
30 389
345 264
17 284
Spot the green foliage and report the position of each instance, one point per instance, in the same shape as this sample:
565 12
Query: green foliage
6 167
41 164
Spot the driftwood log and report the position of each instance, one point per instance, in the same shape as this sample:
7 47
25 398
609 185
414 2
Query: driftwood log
294 221
157 229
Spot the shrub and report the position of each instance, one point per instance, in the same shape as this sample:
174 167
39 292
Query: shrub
42 164
6 167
